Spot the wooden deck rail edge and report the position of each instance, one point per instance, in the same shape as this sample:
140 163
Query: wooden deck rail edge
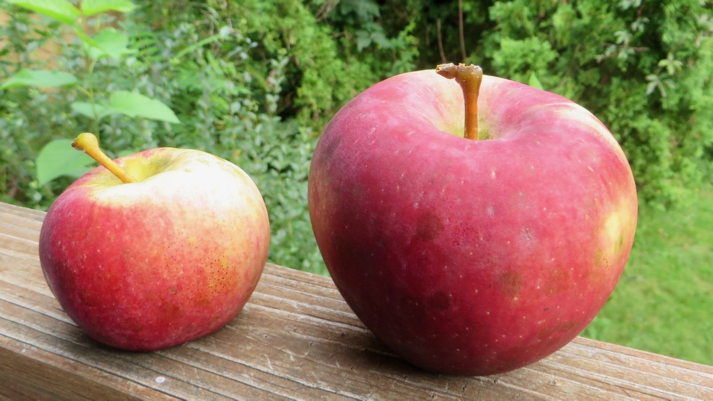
295 339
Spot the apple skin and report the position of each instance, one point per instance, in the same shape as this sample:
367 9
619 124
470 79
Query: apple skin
156 263
471 257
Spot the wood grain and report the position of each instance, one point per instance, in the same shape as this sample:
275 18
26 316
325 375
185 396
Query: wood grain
295 339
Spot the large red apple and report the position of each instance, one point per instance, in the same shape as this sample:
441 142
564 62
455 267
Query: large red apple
160 261
471 256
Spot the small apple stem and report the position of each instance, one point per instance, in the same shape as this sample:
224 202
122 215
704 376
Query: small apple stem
469 77
89 143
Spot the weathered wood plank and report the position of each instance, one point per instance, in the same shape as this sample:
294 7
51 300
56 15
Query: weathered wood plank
295 339
28 217
29 373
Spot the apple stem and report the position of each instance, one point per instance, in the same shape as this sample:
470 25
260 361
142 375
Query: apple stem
89 143
469 77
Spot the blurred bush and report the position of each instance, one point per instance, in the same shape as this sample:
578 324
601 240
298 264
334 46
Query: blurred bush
642 67
255 81
251 81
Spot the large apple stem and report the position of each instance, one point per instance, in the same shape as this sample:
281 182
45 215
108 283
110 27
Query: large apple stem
469 77
90 145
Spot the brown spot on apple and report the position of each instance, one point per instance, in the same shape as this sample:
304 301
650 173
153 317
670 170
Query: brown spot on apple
509 283
171 310
557 282
428 226
331 147
133 325
600 260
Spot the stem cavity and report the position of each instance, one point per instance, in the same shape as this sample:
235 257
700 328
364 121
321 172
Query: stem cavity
469 77
89 143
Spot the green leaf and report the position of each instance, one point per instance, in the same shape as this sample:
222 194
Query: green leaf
61 10
59 158
85 109
109 43
381 39
130 104
535 82
195 46
651 87
622 37
135 104
40 78
91 7
364 9
363 40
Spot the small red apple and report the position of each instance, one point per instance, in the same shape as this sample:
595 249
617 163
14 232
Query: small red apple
471 256
169 255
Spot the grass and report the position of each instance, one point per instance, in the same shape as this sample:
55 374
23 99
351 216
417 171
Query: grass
664 300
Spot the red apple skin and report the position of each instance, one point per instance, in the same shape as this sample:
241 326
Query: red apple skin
150 265
471 257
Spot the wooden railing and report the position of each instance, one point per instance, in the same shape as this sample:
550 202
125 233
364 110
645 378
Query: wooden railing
295 339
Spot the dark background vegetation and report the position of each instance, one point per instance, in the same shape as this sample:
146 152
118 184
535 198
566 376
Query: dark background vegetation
255 81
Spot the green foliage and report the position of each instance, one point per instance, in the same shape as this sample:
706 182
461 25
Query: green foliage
53 160
28 116
61 10
134 104
256 81
41 78
92 7
59 158
256 91
643 68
